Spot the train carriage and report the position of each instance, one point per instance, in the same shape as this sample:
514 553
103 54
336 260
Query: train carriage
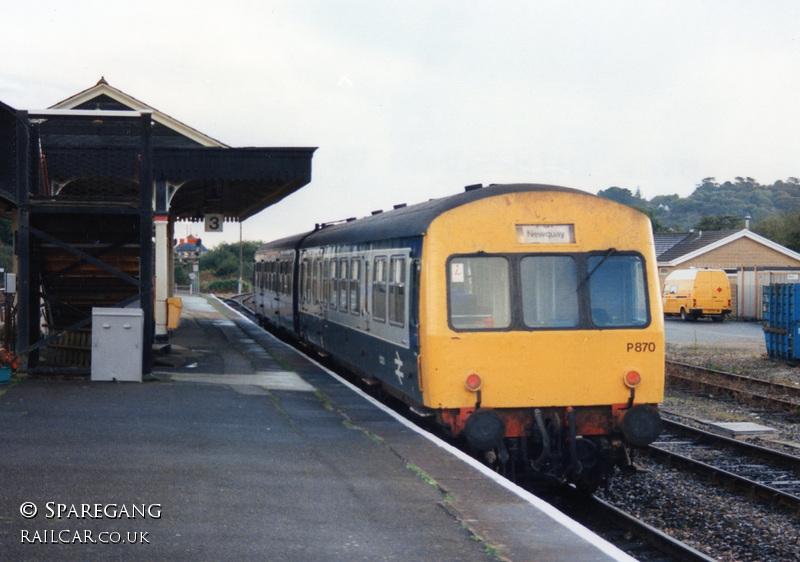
525 318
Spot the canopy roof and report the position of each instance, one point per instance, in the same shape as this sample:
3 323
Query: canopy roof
94 138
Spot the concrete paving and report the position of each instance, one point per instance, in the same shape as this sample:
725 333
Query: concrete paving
704 332
242 449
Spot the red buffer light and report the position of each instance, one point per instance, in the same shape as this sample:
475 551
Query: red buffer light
632 379
473 382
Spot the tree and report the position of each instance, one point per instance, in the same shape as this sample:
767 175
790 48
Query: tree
223 261
783 229
658 226
618 194
720 222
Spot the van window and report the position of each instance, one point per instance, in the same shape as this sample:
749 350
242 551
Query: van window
478 293
617 291
549 292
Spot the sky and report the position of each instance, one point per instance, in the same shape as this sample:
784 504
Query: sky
413 100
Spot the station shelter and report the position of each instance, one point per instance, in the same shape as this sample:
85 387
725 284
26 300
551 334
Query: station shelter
94 186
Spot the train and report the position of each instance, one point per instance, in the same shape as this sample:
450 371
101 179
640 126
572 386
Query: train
524 320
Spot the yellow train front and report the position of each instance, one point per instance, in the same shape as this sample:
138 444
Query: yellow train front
526 318
541 336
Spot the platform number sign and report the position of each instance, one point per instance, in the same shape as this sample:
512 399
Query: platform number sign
214 223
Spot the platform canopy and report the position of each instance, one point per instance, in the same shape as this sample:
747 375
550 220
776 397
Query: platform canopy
88 136
234 182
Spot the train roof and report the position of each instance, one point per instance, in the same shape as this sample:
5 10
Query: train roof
403 222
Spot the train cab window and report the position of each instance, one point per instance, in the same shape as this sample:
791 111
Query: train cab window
397 290
355 285
479 293
333 291
549 291
343 286
379 289
617 291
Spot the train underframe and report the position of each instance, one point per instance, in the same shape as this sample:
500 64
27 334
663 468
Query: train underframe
577 445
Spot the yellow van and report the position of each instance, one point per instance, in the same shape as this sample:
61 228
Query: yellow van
693 293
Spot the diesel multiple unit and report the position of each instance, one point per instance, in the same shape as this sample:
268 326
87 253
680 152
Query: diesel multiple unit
526 319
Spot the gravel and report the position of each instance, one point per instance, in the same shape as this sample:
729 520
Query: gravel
721 524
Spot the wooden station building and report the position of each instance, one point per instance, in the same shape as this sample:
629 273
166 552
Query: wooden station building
94 186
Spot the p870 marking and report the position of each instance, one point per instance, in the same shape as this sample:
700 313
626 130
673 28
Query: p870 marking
641 347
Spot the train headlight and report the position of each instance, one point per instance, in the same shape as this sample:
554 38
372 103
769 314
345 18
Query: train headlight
473 382
632 379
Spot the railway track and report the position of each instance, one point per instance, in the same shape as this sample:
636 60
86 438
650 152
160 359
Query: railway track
776 396
635 537
766 474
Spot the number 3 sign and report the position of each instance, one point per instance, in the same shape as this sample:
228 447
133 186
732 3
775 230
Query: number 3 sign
213 223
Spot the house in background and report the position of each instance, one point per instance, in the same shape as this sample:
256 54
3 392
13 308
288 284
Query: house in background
189 249
750 260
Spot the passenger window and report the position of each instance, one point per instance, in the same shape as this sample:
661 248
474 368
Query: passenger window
343 285
334 285
303 281
478 293
549 292
326 275
366 287
379 289
315 281
355 286
397 290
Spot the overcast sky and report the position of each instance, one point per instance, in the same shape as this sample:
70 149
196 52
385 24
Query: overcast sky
416 99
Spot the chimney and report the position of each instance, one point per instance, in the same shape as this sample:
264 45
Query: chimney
747 222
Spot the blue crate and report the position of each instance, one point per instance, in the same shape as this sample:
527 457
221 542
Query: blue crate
781 314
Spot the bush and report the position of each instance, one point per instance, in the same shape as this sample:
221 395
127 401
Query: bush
227 286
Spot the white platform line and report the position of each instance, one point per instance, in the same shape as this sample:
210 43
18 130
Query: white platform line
587 535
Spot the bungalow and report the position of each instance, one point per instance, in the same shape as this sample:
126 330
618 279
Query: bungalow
750 260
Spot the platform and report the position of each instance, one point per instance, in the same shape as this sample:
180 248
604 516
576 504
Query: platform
242 449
